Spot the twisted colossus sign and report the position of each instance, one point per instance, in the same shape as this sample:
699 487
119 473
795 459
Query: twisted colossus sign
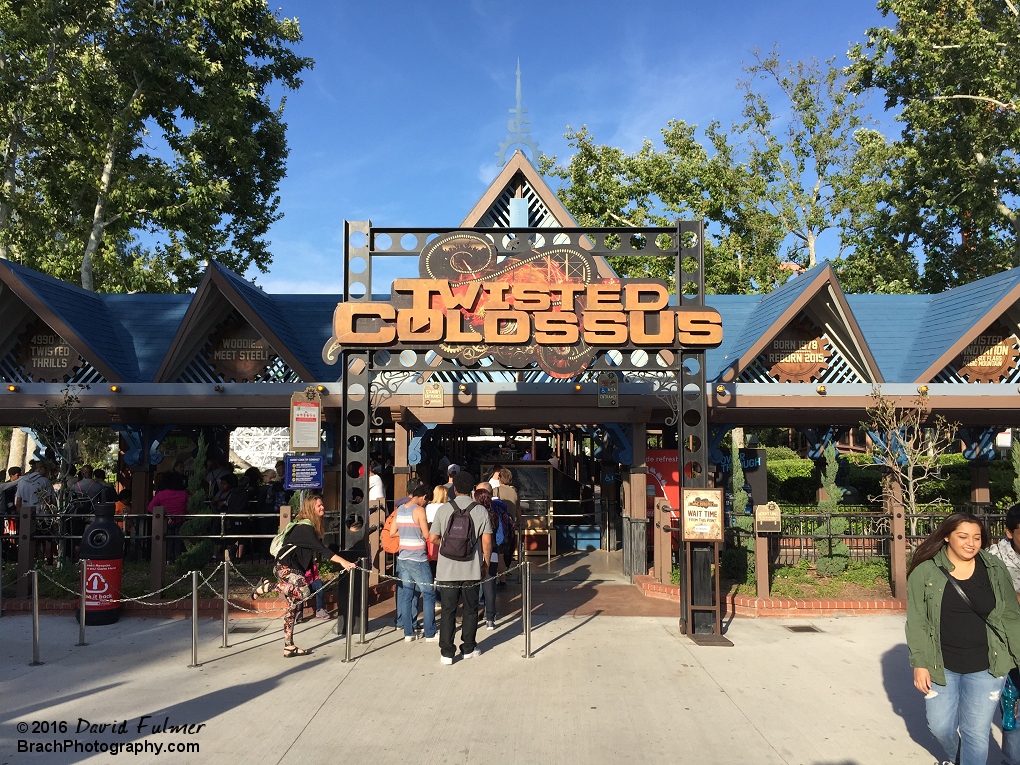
545 306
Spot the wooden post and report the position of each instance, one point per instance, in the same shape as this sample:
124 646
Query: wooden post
980 494
893 500
157 557
761 564
26 549
401 470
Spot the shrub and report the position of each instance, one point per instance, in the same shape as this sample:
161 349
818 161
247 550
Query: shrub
780 453
737 565
865 572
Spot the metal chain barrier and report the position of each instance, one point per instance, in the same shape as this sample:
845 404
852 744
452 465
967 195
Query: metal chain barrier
141 598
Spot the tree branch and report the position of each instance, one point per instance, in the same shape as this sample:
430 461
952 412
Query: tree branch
997 102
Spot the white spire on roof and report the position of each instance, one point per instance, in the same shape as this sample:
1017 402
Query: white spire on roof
519 127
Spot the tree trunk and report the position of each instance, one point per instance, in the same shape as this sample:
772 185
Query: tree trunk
737 434
98 215
7 188
812 257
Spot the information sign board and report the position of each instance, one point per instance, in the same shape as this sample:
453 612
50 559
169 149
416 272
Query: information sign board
305 421
302 473
702 515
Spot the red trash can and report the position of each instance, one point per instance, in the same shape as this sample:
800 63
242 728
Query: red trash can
102 546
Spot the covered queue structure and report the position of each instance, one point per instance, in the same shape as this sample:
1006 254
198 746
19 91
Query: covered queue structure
510 339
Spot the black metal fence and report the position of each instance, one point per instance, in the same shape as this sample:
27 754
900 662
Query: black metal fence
866 531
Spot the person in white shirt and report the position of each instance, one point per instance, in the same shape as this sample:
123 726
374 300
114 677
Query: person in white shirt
494 481
376 489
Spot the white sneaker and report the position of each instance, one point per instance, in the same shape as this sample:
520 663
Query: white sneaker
473 654
433 639
445 660
490 625
410 638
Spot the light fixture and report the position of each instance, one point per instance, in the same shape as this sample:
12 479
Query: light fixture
720 388
12 388
114 388
320 388
820 390
577 386
923 390
463 388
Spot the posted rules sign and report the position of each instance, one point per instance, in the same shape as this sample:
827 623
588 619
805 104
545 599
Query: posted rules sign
302 473
305 421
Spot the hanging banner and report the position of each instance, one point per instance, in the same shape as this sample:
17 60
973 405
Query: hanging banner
305 421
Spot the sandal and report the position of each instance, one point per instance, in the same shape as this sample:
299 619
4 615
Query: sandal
290 651
263 589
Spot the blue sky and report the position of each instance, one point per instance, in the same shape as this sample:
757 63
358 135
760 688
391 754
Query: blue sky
400 119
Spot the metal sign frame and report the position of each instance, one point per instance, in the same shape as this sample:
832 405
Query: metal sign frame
368 374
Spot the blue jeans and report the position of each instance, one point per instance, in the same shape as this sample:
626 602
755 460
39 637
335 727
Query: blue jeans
960 714
1011 747
316 586
415 576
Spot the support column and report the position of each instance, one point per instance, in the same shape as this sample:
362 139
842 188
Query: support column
893 501
401 470
980 493
16 455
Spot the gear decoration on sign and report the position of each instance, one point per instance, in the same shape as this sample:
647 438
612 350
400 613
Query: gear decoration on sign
44 356
990 357
798 354
463 257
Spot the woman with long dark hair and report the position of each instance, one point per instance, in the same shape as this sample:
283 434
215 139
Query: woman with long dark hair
300 546
963 633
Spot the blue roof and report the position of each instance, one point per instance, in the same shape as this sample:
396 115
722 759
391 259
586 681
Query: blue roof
878 314
148 324
131 334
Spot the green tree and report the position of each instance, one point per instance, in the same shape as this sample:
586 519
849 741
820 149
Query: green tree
835 555
806 136
802 163
129 117
952 70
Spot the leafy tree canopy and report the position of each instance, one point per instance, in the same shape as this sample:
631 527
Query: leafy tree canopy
802 162
952 70
139 138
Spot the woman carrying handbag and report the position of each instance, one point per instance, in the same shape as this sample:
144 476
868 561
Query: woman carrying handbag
963 633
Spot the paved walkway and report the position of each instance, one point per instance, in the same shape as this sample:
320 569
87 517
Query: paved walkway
600 689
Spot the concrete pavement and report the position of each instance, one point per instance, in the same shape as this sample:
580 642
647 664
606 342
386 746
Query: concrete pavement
600 689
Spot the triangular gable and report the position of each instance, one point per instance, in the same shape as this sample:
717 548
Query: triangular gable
218 308
77 316
957 319
270 320
810 306
518 179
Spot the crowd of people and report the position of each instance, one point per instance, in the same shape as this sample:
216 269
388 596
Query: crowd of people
453 545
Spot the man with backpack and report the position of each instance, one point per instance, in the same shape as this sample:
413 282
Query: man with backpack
464 534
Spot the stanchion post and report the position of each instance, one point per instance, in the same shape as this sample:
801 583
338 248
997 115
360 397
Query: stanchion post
363 600
527 610
81 604
35 619
194 620
350 616
339 613
226 597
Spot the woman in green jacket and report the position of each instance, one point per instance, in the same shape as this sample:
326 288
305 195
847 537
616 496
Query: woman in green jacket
963 632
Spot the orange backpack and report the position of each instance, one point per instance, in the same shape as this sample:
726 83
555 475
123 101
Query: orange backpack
390 536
